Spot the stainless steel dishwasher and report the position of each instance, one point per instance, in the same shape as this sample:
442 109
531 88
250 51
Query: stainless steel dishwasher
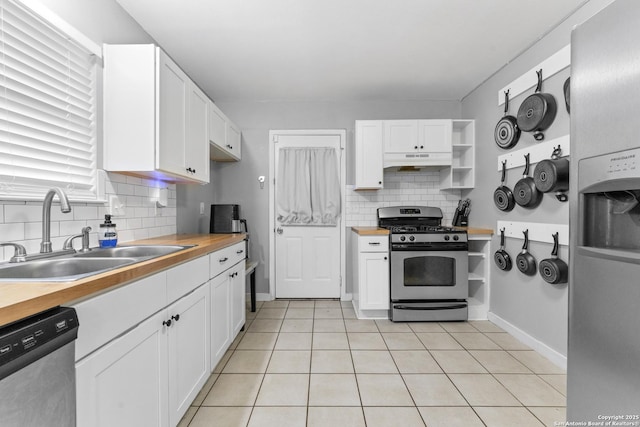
37 370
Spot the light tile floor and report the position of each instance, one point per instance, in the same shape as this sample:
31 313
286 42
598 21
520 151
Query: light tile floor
312 363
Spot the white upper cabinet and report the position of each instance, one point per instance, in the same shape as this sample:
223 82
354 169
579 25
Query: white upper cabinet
417 143
224 136
434 136
400 136
155 117
369 152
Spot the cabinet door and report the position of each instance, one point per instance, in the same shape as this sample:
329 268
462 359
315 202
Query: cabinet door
217 126
369 154
400 136
238 297
124 383
434 136
234 140
373 280
188 349
220 317
172 107
197 139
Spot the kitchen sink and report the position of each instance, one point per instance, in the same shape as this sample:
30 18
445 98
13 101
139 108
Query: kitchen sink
133 251
60 269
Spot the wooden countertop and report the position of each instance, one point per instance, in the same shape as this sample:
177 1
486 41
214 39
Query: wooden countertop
476 230
23 299
370 231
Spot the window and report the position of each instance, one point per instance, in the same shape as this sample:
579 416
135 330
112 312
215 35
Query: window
47 108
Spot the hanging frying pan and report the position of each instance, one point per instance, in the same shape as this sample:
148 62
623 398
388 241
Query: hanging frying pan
503 196
501 257
525 192
553 175
507 132
554 270
524 260
537 111
567 93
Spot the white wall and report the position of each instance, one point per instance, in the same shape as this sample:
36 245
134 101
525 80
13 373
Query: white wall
531 305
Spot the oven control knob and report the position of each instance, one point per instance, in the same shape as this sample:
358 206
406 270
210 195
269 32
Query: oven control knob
412 238
402 238
446 238
456 238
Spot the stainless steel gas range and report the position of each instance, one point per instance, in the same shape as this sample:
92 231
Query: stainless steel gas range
429 265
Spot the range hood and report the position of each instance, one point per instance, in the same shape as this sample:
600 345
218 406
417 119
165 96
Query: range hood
417 160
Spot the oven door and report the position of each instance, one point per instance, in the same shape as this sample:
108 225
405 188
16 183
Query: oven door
429 275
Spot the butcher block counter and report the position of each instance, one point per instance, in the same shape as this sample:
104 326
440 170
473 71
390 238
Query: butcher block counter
23 299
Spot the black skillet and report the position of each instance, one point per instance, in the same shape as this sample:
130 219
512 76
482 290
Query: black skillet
502 257
554 270
553 175
503 196
537 111
525 192
524 260
507 132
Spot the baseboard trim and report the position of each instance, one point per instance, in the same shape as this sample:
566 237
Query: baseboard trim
554 356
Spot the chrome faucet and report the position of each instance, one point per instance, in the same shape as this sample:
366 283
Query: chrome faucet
65 207
19 252
68 244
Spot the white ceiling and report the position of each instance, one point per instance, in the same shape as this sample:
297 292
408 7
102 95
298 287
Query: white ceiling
345 49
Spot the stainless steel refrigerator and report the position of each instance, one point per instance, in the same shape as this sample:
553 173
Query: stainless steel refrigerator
603 365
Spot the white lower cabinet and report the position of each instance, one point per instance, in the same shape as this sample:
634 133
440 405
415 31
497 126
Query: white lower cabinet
238 297
371 275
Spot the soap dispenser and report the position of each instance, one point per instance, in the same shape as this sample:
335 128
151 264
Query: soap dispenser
108 236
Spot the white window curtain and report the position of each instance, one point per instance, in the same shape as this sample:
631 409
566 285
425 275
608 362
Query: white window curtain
47 109
308 186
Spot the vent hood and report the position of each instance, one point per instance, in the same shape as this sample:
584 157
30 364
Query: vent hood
417 159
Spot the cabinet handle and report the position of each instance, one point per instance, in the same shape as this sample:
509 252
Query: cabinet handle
167 323
176 317
240 251
234 274
380 182
374 243
221 260
229 147
421 147
415 147
385 258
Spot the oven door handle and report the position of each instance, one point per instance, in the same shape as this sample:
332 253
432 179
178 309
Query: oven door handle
446 307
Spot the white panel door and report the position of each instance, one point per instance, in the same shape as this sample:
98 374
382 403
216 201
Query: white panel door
400 136
307 263
435 135
197 137
220 317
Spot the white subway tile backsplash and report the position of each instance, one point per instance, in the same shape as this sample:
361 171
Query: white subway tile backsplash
11 232
22 213
126 189
84 212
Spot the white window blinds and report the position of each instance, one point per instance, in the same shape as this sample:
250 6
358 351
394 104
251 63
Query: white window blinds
47 109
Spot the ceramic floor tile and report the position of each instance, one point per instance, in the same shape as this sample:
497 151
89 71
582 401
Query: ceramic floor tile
271 313
294 341
483 390
333 416
328 325
383 390
402 341
360 325
297 325
438 341
302 304
274 416
559 382
458 327
390 416
275 304
236 341
290 362
531 390
373 362
258 341
234 390
349 313
330 341
485 326
366 341
205 390
221 364
474 341
426 327
433 390
499 362
247 362
506 341
328 313
328 304
333 390
389 326
284 390
536 362
299 313
265 325
218 416
331 362
452 416
415 362
457 361
550 417
188 416
507 417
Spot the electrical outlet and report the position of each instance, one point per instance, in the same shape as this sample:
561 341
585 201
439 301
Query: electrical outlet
115 207
201 208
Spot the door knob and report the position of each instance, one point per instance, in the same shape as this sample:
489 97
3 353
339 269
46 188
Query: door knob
279 230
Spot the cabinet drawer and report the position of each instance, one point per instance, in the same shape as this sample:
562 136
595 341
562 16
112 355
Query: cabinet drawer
226 258
106 316
186 277
373 243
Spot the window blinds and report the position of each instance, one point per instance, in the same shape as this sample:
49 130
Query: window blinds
47 109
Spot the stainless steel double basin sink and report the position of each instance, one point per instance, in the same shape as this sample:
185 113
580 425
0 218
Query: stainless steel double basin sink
76 266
